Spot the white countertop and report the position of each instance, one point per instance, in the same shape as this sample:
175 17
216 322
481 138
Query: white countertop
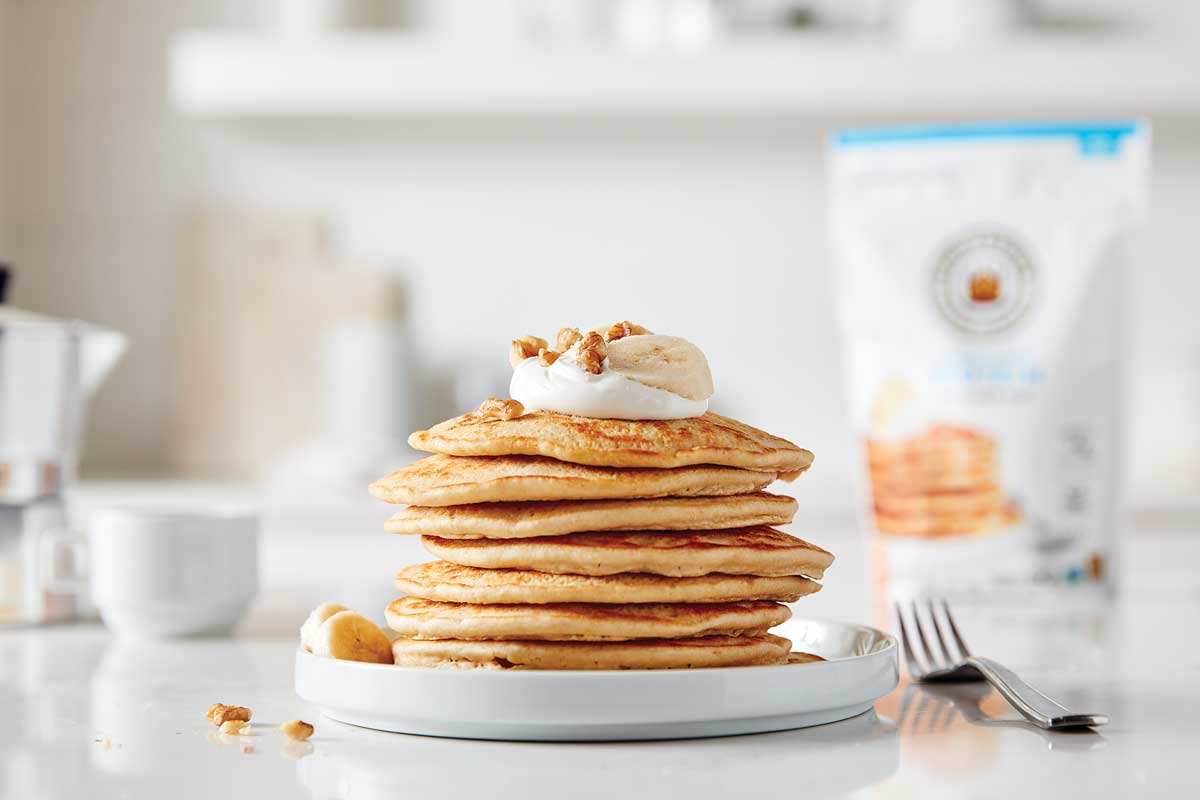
87 716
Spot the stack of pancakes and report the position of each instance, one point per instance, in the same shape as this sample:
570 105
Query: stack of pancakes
943 482
578 543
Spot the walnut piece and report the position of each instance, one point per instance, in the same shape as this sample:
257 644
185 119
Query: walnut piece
495 408
619 330
235 727
566 339
219 713
297 730
525 347
547 357
592 353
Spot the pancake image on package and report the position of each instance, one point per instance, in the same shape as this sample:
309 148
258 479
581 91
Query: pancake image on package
943 482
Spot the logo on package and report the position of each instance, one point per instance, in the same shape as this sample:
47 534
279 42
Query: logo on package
983 283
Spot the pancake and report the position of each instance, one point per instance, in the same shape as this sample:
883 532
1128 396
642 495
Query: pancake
585 622
940 525
555 517
707 651
907 481
451 480
803 658
710 439
943 458
983 499
452 583
742 551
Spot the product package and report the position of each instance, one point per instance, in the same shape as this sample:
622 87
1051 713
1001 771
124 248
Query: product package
981 277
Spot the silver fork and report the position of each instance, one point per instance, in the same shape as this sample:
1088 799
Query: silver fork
945 666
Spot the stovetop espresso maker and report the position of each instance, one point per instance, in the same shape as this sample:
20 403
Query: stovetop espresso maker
49 369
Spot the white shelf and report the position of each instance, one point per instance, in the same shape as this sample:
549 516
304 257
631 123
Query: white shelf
252 75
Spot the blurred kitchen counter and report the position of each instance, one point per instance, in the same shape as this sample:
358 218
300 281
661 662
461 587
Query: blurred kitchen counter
88 716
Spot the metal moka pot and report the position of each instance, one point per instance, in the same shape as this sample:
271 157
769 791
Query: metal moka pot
49 369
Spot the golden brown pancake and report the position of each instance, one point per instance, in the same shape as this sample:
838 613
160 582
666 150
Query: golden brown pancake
943 458
710 439
454 480
984 499
933 479
707 651
803 658
441 580
584 622
741 551
555 517
939 525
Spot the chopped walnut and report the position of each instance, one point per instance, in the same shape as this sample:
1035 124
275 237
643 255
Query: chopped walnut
235 727
525 347
219 713
567 337
592 353
496 408
297 730
619 330
547 357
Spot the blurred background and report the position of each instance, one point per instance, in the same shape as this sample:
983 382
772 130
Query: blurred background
320 222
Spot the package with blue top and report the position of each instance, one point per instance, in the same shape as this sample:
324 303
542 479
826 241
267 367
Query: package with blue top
980 271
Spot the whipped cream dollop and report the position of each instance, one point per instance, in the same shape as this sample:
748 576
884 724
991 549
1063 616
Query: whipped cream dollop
568 388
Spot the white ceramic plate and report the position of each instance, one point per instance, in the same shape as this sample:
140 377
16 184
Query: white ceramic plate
597 706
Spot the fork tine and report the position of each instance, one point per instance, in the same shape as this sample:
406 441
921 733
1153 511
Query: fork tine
929 654
915 668
962 646
947 657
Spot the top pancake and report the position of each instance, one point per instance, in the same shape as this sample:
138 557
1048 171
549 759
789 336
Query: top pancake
710 439
441 480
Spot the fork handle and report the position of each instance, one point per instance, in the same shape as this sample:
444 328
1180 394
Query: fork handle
1033 705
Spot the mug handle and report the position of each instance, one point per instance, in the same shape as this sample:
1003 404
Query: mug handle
52 543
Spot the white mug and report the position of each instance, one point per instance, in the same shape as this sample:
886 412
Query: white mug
158 574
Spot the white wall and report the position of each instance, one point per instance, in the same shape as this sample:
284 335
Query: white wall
93 190
716 231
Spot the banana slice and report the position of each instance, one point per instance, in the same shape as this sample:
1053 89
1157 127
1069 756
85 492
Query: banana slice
308 631
664 362
350 636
